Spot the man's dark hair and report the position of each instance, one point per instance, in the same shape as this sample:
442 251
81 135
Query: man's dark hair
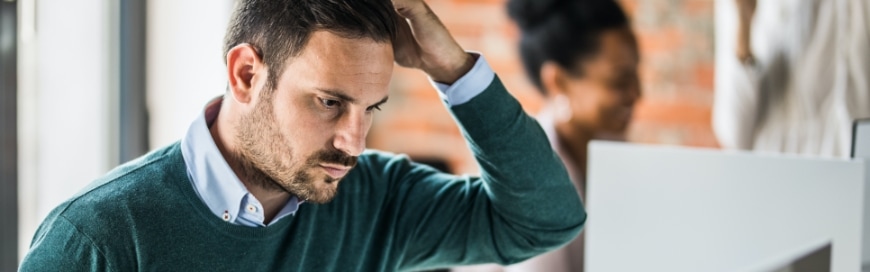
280 29
564 31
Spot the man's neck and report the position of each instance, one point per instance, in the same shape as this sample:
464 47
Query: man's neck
273 201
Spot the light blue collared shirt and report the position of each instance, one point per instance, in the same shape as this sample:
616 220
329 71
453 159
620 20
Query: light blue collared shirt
221 190
215 182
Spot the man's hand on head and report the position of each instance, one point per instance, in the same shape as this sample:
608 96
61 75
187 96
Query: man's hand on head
424 43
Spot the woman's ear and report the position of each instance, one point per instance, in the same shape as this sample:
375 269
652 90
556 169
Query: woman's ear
243 64
553 79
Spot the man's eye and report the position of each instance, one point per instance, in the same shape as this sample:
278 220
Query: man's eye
330 103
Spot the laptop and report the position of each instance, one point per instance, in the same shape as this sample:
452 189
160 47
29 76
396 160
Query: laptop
811 257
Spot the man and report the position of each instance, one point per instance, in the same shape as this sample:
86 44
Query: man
274 176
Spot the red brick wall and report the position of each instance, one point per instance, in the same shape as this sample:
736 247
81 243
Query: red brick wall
676 41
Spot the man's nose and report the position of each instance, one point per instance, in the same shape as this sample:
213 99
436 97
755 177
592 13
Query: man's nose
351 135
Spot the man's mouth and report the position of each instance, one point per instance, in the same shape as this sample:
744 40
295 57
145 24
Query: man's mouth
336 171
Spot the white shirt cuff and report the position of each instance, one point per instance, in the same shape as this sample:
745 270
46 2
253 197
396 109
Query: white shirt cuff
469 85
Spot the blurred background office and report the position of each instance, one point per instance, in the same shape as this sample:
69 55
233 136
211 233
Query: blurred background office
86 85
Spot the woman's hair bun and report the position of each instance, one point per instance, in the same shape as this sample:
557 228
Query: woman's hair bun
531 13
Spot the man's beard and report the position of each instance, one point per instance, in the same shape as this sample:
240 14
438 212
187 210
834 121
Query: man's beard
263 158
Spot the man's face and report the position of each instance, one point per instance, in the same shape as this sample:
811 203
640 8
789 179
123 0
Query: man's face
304 135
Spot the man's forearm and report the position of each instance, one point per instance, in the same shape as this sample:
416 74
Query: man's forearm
527 183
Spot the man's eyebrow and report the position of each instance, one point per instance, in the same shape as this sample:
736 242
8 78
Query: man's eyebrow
338 94
346 98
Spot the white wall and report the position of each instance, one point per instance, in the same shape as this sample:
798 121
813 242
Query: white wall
64 93
27 217
185 63
67 74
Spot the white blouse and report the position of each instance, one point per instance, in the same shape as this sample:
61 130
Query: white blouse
810 78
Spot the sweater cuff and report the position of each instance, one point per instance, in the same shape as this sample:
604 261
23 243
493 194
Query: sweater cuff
490 112
469 85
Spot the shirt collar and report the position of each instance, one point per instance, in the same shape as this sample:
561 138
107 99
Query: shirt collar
212 178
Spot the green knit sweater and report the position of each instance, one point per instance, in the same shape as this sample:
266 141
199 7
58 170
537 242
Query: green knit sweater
390 214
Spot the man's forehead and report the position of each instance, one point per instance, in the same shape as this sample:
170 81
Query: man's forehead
327 53
355 69
325 44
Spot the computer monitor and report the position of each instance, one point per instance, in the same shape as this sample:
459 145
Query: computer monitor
654 208
861 150
814 257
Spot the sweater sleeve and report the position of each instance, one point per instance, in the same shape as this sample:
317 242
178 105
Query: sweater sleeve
523 203
60 246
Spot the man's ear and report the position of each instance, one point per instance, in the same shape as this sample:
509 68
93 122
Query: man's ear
243 66
554 79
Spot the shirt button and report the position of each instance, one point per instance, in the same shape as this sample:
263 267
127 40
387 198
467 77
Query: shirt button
226 216
251 208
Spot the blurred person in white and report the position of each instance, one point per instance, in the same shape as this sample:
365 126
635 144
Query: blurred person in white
799 75
582 55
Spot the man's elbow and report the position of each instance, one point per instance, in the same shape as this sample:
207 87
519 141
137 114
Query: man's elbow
562 223
570 233
542 241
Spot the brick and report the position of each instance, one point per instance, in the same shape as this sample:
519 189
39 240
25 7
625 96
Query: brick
668 40
698 8
704 76
673 114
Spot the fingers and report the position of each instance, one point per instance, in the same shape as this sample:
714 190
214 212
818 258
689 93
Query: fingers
410 9
424 43
405 48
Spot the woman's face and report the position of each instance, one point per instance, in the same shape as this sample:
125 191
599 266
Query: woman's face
602 97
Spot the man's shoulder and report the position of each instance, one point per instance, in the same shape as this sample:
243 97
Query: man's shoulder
114 211
374 156
147 179
375 171
383 167
382 163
